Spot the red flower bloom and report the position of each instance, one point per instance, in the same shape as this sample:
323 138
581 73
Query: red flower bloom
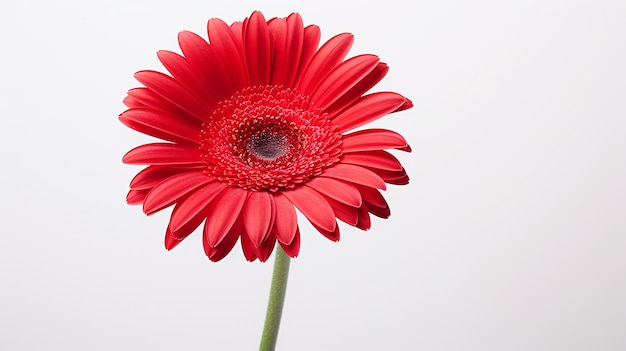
256 122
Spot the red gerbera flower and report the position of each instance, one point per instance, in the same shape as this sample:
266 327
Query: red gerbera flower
257 121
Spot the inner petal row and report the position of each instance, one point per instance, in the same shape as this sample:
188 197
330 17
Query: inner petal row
268 138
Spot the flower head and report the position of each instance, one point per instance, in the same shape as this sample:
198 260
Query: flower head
257 121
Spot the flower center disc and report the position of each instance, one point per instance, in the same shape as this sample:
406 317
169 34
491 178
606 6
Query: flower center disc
268 146
268 138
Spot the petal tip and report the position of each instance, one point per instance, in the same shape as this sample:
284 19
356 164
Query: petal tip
170 241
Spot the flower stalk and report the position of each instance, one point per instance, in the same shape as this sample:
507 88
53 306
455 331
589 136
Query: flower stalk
276 301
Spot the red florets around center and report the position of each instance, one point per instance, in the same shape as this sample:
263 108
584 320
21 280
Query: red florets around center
268 138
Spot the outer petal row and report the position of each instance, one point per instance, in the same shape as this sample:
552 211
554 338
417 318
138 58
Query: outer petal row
164 154
229 48
256 39
367 109
324 60
259 218
161 125
373 139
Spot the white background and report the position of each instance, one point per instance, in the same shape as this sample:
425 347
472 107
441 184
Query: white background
510 236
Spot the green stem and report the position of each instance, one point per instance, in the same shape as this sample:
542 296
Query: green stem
277 299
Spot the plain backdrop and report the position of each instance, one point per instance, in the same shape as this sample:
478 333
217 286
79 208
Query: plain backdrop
510 236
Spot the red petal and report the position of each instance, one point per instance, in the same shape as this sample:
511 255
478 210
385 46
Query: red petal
136 197
365 84
150 176
133 102
172 189
230 49
286 223
237 28
342 78
257 216
174 92
208 65
403 180
293 248
264 251
382 212
170 241
336 189
373 139
310 41
161 125
223 212
325 59
257 46
183 231
373 159
154 101
393 177
343 212
354 174
185 74
163 154
332 235
364 222
173 238
216 253
280 53
194 206
372 196
368 108
247 247
407 105
224 248
313 206
294 48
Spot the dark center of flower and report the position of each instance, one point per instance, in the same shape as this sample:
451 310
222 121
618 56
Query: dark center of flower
268 145
268 138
